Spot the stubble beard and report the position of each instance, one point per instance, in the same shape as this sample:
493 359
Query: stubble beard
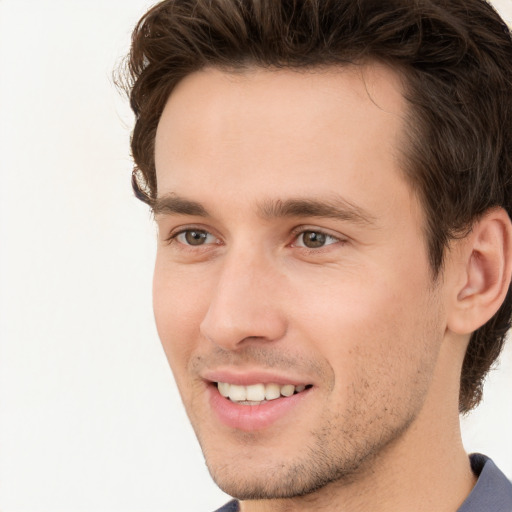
347 447
333 457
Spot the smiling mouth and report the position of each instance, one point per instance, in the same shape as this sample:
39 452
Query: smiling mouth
256 394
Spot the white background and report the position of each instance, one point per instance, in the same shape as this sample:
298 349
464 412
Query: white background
90 419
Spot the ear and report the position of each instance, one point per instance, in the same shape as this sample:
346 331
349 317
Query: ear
483 266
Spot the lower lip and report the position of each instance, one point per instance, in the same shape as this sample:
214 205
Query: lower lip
253 417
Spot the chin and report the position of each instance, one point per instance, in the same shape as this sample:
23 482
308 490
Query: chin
244 478
289 483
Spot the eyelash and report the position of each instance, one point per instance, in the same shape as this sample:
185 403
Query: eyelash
173 237
296 233
303 230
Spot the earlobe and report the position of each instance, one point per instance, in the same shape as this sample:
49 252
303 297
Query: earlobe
485 266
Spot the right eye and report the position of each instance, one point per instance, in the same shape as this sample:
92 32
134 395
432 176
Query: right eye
195 237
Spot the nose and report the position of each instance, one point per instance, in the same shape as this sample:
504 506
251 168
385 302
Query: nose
244 305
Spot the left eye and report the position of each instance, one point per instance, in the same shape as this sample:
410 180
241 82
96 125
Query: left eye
195 237
314 239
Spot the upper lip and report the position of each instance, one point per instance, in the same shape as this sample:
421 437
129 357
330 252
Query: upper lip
249 377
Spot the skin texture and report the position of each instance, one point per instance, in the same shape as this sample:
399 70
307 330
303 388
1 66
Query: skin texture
359 318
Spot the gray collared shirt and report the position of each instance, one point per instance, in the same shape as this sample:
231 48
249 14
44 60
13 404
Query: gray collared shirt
492 492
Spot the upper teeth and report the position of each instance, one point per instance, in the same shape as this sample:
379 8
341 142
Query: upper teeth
257 392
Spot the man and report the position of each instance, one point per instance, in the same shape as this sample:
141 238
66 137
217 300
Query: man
332 186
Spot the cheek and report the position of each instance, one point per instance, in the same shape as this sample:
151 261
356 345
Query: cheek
178 306
370 323
381 351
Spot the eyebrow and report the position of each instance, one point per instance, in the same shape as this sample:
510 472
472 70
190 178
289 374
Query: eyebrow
335 207
172 204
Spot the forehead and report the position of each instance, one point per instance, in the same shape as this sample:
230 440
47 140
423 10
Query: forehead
259 131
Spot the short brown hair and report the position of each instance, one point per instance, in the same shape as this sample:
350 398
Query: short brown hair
455 55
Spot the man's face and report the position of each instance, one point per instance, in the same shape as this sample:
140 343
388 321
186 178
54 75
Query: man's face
291 259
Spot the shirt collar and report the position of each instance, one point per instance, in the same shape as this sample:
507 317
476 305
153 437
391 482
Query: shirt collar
492 491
